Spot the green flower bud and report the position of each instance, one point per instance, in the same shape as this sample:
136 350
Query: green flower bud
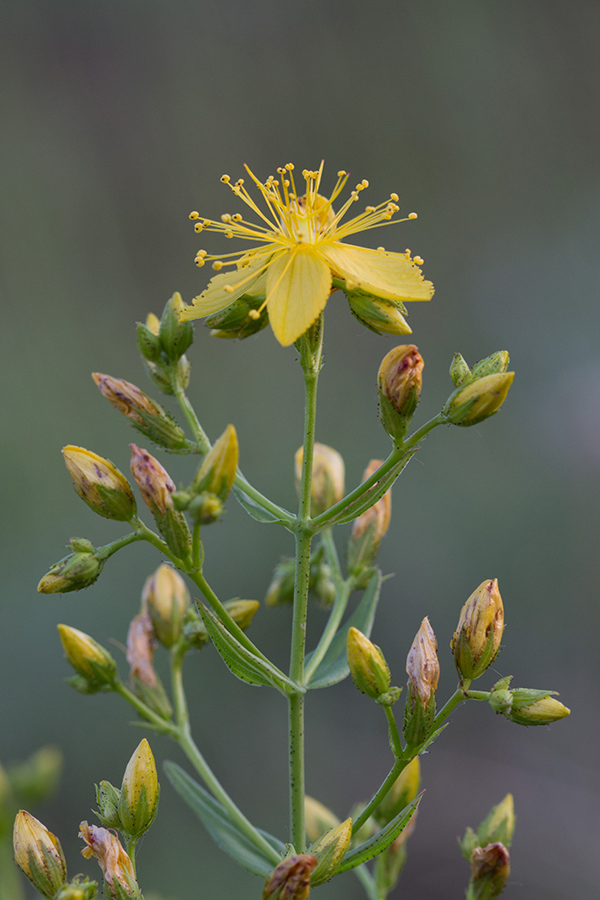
144 413
37 778
368 667
138 803
460 373
89 659
73 572
281 589
107 798
175 336
495 364
476 641
148 341
399 380
39 855
479 400
380 316
369 528
490 868
156 487
327 484
167 600
217 472
79 889
100 484
329 850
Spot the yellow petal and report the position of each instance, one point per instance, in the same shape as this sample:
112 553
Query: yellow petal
390 276
223 290
298 285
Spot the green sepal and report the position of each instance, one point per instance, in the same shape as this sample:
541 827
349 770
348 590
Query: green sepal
234 321
148 343
80 888
164 431
468 843
346 512
107 798
333 668
381 841
460 372
244 664
224 831
390 697
418 720
161 375
137 821
47 882
175 336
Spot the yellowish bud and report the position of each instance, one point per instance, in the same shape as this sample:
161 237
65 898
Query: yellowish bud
140 791
490 868
38 854
119 875
369 528
153 323
479 400
399 380
74 572
318 818
217 472
144 413
422 666
100 484
167 599
499 825
242 611
541 712
403 791
156 487
368 667
327 484
329 850
290 880
88 658
476 641
381 316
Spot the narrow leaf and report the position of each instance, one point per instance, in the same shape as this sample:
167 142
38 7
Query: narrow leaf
244 664
222 828
334 665
382 840
259 512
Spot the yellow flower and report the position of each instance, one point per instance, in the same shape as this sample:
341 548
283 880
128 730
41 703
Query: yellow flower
300 251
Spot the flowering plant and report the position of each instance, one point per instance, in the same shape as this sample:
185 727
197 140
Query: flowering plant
297 258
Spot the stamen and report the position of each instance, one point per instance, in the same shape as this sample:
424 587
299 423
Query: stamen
253 314
394 197
228 289
194 215
198 227
413 215
225 179
217 265
419 260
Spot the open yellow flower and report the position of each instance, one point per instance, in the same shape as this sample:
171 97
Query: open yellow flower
299 253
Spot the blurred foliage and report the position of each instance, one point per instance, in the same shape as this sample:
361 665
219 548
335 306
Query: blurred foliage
120 118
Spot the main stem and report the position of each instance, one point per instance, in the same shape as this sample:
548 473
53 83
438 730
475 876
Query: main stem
311 348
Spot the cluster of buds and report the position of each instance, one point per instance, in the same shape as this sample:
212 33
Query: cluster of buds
526 706
399 381
476 641
480 391
423 670
163 343
157 487
133 808
486 849
207 493
327 482
369 528
96 669
143 413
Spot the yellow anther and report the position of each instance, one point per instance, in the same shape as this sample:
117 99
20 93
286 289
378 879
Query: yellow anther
407 253
218 265
201 253
289 167
237 217
228 289
254 314
360 187
226 217
280 170
369 209
198 227
381 249
199 262
365 183
239 182
341 173
194 215
229 234
394 197
225 179
412 215
419 260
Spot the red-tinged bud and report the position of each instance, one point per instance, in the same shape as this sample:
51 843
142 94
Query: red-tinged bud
119 875
476 641
423 671
369 528
490 868
400 379
290 880
140 649
144 413
156 487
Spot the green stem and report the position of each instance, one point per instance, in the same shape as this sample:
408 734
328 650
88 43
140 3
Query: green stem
161 725
130 849
477 695
143 533
11 882
108 549
394 734
367 881
192 419
311 347
397 768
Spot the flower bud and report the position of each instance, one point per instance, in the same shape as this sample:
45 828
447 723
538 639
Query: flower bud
318 818
368 667
95 664
476 641
147 339
327 483
329 850
499 824
217 472
38 854
369 528
423 671
242 611
403 791
490 868
290 880
140 653
74 572
156 487
175 336
460 372
107 798
479 400
119 876
281 589
528 707
100 484
144 413
140 791
236 321
167 600
380 316
399 380
79 889
491 365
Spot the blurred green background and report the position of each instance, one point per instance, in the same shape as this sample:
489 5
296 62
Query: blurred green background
117 118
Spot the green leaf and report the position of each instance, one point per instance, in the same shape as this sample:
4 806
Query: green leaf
259 512
244 664
354 509
334 665
223 829
380 841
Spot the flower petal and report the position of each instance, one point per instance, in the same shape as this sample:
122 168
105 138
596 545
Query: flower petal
390 276
298 286
215 297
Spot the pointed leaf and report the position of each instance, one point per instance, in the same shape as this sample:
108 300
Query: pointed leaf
334 665
244 664
259 512
380 841
368 499
223 830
